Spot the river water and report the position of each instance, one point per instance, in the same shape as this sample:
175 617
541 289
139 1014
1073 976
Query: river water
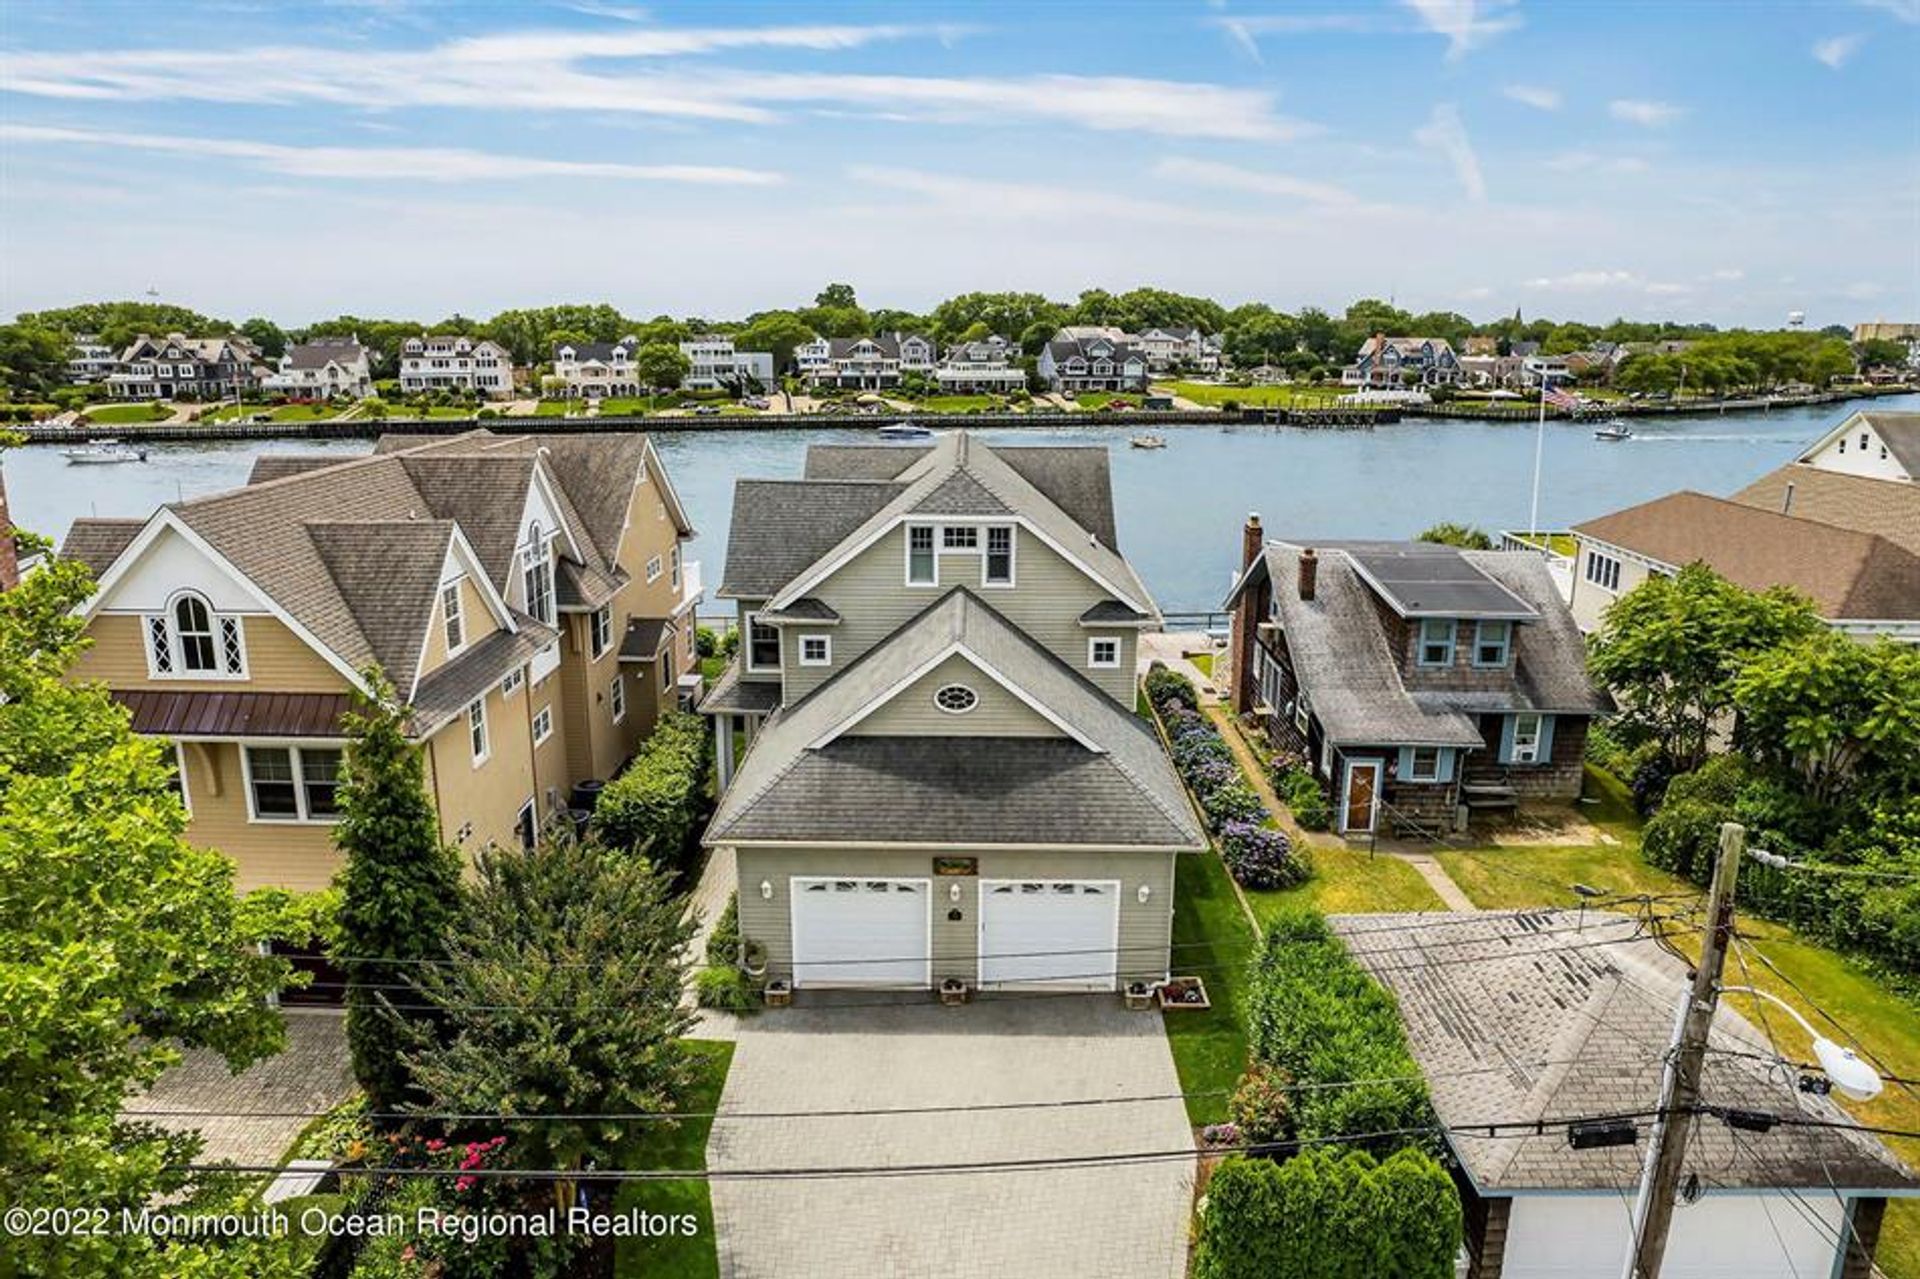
1179 508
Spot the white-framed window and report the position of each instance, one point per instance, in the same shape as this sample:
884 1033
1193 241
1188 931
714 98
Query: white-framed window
1492 642
191 641
1302 708
960 537
816 650
653 569
1526 739
1603 571
515 681
450 615
292 783
477 730
1436 641
673 565
542 724
763 645
923 567
617 699
599 630
999 565
537 576
1103 652
1425 766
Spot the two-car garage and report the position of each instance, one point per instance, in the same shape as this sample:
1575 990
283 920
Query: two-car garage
883 931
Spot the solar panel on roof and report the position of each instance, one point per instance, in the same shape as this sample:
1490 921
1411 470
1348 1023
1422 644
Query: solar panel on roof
1439 582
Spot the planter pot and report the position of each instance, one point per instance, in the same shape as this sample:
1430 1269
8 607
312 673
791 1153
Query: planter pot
1139 996
779 994
1184 994
953 991
753 960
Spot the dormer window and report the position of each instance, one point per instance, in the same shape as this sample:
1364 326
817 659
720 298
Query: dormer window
537 575
1492 643
191 641
1436 641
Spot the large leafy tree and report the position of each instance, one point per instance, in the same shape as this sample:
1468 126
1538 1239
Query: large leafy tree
1837 717
662 366
562 998
123 943
1671 649
399 889
33 358
777 332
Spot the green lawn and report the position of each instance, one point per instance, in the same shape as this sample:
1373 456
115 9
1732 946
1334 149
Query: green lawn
1202 662
1094 401
1558 543
275 413
116 413
1346 881
1266 397
1213 940
961 404
678 1145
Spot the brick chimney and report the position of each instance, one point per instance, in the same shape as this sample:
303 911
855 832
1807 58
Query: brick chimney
9 559
1309 572
1245 619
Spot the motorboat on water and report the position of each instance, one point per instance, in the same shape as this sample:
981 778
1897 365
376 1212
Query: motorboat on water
1613 429
1148 441
905 431
101 452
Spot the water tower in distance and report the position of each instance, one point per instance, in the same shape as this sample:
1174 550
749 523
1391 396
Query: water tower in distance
1796 319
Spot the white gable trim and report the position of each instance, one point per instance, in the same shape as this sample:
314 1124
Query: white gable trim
165 521
543 484
461 561
1844 428
956 648
828 567
676 511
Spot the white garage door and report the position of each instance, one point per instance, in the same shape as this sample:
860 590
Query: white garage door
861 932
1050 932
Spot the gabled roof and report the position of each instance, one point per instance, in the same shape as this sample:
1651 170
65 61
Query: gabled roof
1848 574
322 352
1104 781
781 527
1074 477
278 466
957 475
97 542
1900 432
1340 652
1890 508
1552 1014
387 572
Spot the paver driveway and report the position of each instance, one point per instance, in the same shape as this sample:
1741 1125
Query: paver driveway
843 1053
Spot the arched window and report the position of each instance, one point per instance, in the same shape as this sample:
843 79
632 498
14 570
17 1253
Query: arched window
193 634
189 640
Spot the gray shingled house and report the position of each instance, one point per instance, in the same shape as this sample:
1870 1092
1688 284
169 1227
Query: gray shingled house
1554 1015
1416 680
945 777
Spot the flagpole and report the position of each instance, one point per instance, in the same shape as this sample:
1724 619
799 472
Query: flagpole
1539 441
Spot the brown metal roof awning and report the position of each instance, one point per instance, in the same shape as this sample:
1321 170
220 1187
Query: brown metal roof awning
163 713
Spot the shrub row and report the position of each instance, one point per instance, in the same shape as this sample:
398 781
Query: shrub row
1301 789
1316 1015
656 805
1329 1214
1260 857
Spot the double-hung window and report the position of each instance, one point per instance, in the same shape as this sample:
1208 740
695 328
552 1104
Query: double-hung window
673 566
617 699
293 783
1491 643
537 576
1425 765
599 630
1526 739
477 729
542 724
1436 641
450 614
653 569
763 645
922 566
999 570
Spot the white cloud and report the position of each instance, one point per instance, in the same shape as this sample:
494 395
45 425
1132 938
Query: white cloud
422 164
1535 96
1243 37
1467 24
1905 10
1212 173
1727 273
1293 24
1612 281
549 71
1644 112
1593 162
1444 132
1835 50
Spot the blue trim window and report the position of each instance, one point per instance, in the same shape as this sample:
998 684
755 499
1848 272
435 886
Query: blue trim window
1436 641
1492 642
1424 764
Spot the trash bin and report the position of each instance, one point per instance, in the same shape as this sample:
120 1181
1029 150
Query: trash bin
586 794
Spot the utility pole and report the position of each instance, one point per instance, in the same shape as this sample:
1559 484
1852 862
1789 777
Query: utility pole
1680 1084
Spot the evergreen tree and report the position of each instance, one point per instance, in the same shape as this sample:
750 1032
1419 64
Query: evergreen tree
400 889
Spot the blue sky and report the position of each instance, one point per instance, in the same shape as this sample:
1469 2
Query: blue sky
1721 161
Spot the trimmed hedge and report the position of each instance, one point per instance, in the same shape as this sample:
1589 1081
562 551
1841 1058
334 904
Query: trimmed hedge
1314 1013
656 806
1330 1214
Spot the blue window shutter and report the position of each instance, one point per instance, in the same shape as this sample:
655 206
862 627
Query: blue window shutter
1446 764
1545 754
1506 739
1405 772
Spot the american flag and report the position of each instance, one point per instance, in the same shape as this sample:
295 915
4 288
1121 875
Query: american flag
1561 399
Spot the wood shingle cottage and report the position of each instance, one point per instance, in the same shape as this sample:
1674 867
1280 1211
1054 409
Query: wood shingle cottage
500 582
946 776
1416 680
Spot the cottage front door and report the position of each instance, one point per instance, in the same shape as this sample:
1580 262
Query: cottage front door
1363 785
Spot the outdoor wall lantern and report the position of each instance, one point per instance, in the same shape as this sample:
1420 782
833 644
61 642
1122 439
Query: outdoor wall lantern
953 893
766 890
1146 891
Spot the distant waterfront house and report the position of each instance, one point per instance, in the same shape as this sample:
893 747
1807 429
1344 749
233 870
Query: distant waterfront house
596 370
717 366
1186 347
1390 361
90 360
450 362
1491 371
989 367
1092 363
945 776
1549 1016
180 367
864 363
1416 680
321 369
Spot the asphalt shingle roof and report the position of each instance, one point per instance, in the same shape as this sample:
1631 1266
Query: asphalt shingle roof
1900 432
1889 508
387 572
97 543
278 466
1552 1014
782 527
